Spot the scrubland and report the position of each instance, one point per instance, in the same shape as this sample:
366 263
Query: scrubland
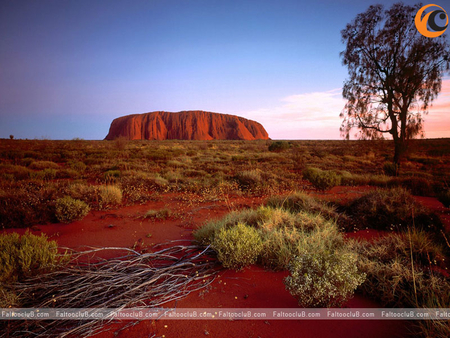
302 226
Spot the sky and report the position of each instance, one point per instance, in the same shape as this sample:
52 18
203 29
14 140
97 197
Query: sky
69 67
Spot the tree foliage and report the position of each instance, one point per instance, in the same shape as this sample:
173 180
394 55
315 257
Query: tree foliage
394 74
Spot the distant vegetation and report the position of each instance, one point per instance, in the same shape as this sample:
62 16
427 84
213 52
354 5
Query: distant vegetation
36 174
61 181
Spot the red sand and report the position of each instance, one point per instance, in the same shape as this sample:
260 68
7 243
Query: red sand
251 288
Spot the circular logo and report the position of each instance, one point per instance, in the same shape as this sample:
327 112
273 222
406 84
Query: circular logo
427 25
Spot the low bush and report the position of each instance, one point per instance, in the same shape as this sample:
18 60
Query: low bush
418 186
323 278
41 165
300 201
322 179
390 169
279 146
237 247
248 179
26 256
283 233
27 204
69 209
400 271
109 195
392 209
158 214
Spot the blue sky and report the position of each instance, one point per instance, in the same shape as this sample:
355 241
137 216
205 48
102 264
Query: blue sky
69 67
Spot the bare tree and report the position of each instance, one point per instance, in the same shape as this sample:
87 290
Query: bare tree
395 74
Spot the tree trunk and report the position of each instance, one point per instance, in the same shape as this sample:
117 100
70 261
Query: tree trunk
398 152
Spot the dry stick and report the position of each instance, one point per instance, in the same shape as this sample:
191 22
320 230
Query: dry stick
150 279
412 259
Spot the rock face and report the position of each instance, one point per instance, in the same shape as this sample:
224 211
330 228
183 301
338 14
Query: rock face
185 125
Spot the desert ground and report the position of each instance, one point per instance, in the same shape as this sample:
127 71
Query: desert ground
343 197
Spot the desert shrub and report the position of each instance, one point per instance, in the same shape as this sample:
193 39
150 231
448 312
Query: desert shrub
444 197
396 280
323 278
69 209
390 169
109 195
110 176
418 186
301 201
41 165
158 214
321 179
283 233
77 166
27 255
248 179
279 146
49 174
27 204
15 172
390 209
238 246
81 191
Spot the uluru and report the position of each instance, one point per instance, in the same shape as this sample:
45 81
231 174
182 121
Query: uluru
185 125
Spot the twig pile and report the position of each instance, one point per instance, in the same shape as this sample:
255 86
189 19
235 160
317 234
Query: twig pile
134 280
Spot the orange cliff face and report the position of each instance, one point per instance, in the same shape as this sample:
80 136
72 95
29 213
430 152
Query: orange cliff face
185 125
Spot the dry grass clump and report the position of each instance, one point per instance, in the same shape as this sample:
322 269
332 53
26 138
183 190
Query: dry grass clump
322 179
108 196
392 209
403 271
41 165
158 214
397 280
301 201
69 209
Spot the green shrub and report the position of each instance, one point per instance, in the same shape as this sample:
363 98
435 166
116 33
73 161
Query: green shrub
27 255
109 195
322 179
279 146
69 209
283 233
238 246
324 278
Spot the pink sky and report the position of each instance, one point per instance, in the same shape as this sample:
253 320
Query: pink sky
315 115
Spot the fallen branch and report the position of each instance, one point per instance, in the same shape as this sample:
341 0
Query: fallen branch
131 280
